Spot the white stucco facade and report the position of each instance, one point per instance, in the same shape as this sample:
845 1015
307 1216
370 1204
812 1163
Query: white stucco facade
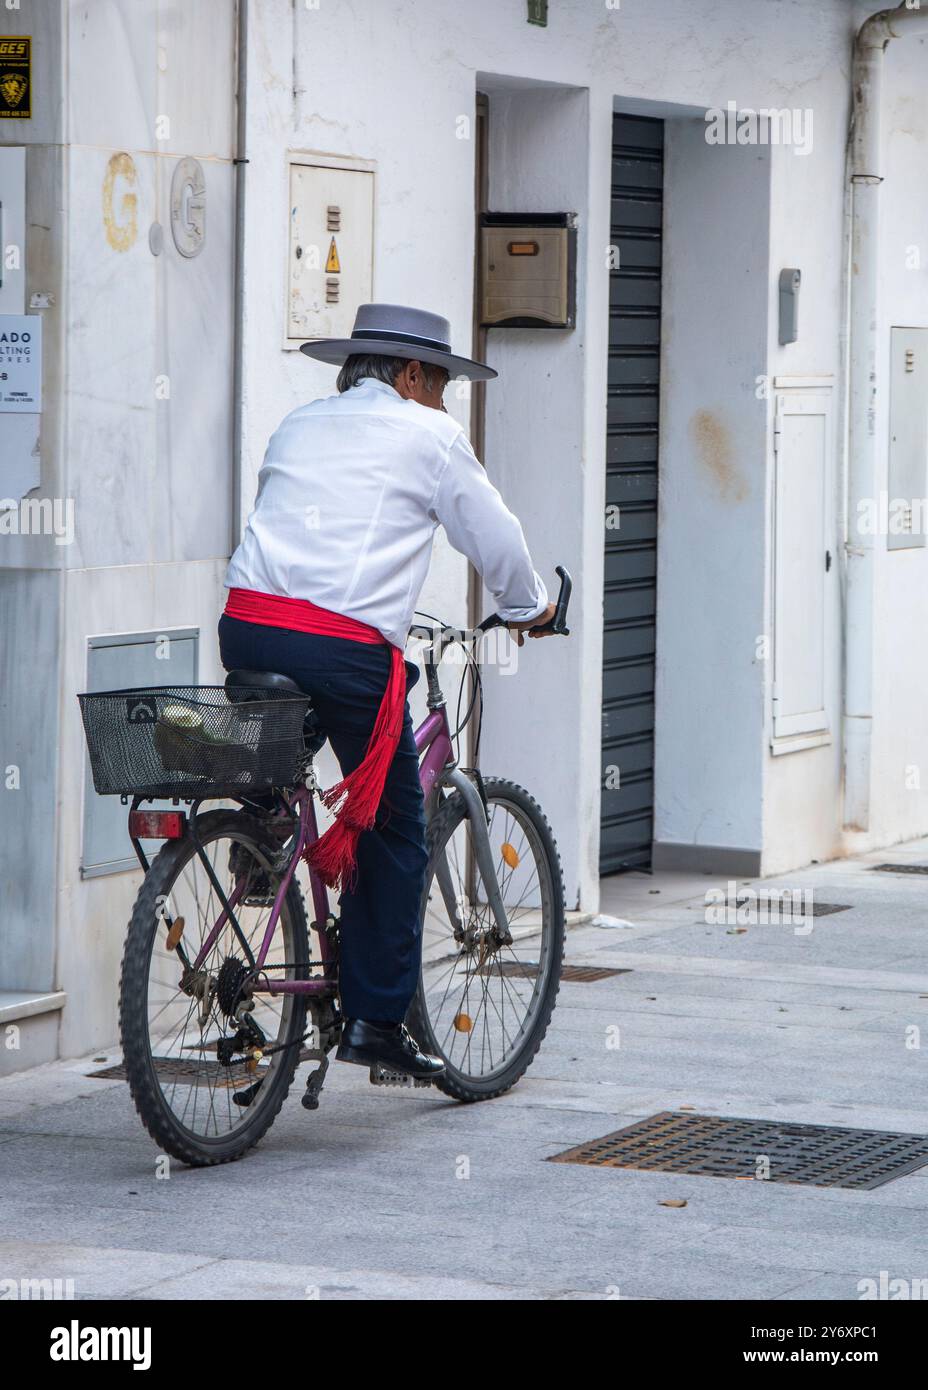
154 478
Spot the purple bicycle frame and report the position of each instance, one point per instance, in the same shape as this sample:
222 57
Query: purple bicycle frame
433 744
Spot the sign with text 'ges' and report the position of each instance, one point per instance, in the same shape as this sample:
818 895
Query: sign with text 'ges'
16 77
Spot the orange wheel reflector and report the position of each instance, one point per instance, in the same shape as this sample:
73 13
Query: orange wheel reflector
463 1023
176 932
509 854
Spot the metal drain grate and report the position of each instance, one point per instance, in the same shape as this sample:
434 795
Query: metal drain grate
785 906
716 1147
574 974
587 974
900 868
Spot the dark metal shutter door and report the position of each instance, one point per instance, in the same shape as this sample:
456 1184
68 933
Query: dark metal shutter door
629 598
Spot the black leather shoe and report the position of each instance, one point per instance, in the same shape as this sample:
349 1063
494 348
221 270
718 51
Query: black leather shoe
371 1045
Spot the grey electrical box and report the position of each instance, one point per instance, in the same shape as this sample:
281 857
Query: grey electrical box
906 521
122 663
331 262
528 270
789 305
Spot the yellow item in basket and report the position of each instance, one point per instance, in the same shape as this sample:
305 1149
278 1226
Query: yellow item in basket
183 717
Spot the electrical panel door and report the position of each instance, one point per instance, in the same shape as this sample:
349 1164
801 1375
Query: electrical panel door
330 268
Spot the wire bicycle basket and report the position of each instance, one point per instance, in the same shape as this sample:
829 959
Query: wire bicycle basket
193 741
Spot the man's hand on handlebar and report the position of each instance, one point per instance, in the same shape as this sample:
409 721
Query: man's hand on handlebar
551 621
533 626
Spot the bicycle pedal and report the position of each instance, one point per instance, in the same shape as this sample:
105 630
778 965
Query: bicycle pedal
381 1076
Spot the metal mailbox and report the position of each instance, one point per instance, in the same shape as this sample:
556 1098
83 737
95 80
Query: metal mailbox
528 270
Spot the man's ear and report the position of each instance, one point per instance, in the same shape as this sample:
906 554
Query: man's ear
404 381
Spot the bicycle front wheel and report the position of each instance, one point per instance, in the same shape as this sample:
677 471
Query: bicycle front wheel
209 1064
483 1005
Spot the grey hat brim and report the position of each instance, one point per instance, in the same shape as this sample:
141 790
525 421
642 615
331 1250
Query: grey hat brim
337 350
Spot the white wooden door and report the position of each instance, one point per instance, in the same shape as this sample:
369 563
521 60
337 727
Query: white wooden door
802 561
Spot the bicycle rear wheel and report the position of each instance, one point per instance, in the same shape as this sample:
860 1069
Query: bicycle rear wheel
204 1088
482 1005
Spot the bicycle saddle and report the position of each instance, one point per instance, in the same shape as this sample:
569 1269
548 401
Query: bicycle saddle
263 680
271 680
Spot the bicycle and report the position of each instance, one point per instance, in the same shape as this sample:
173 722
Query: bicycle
217 975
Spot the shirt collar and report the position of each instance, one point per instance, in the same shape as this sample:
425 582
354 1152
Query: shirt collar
377 385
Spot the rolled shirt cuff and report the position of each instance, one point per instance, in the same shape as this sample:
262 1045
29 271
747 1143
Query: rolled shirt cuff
534 610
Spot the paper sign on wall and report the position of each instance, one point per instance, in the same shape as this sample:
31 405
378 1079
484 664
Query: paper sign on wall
16 76
21 363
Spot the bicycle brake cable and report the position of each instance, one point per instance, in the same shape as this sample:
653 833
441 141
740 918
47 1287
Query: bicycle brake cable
461 723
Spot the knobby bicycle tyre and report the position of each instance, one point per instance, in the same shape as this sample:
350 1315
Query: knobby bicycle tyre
456 1082
160 1121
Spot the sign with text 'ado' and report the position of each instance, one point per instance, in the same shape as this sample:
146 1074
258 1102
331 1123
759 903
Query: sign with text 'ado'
21 363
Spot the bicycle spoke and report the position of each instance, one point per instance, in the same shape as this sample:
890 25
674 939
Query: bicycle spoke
479 996
184 1050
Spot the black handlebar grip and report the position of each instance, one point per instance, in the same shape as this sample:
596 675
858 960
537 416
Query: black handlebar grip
557 624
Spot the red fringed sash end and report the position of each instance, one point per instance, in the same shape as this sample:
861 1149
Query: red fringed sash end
355 798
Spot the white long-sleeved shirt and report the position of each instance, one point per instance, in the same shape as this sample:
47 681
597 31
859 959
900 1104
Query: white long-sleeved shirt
350 494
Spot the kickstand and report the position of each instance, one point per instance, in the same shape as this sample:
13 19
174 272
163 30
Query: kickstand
315 1080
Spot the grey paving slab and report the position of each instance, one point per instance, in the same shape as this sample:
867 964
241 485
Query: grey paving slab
754 1207
844 1252
246 1279
831 1287
97 1271
364 1199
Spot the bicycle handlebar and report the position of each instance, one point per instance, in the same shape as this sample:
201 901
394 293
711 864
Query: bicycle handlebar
557 624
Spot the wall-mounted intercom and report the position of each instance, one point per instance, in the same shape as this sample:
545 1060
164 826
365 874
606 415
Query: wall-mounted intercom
528 270
907 472
789 305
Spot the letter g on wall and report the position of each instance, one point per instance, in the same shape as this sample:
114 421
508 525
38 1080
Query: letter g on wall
120 205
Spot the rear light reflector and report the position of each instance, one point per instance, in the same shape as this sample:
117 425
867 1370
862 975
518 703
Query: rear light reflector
157 825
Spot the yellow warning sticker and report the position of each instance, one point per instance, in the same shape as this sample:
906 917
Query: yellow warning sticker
333 264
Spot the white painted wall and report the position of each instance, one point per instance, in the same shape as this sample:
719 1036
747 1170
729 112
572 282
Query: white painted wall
542 145
710 581
389 83
802 810
151 476
900 730
395 95
148 474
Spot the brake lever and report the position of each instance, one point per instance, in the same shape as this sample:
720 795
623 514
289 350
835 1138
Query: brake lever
494 620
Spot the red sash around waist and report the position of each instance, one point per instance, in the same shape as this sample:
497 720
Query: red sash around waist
354 799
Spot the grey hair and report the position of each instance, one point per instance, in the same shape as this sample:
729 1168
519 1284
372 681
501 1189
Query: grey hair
381 369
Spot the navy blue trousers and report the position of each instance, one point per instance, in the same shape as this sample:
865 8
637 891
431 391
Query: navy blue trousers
380 930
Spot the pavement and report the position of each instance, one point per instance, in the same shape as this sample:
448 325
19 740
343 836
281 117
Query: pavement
396 1195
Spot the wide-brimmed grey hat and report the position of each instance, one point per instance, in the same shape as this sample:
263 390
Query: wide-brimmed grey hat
397 331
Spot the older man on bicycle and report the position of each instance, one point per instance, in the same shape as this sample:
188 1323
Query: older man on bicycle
323 588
